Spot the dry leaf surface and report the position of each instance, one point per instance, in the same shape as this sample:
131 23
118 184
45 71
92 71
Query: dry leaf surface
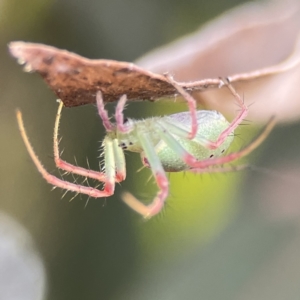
256 45
76 79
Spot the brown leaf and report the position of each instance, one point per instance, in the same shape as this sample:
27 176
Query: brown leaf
76 79
248 44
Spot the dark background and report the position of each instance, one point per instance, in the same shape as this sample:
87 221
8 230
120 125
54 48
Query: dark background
221 236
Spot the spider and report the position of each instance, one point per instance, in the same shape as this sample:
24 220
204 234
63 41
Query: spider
164 144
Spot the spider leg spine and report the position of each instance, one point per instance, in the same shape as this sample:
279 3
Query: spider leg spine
221 169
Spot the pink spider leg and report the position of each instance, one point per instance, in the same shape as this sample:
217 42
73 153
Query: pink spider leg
100 176
196 164
80 189
119 116
118 152
190 160
233 125
120 163
192 104
103 112
236 121
155 207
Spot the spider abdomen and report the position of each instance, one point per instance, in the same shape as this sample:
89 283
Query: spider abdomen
210 125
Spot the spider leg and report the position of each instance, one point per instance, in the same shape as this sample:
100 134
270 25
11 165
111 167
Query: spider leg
236 121
233 125
100 176
119 160
109 184
155 207
103 112
191 161
192 104
119 116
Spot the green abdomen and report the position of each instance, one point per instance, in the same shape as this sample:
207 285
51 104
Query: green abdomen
211 125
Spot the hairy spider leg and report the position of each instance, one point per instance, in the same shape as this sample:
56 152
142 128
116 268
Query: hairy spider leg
109 184
100 176
103 112
161 179
115 170
190 160
233 125
192 104
119 116
118 152
159 174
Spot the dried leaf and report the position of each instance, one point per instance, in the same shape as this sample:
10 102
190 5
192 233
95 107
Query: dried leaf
76 79
248 44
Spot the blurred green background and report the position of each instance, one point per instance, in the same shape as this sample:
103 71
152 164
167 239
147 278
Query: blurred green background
221 236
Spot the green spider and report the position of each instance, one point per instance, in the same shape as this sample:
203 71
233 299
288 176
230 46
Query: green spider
165 144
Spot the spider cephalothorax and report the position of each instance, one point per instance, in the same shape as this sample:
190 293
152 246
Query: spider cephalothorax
165 144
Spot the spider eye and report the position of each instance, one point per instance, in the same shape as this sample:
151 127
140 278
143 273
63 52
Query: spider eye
123 145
